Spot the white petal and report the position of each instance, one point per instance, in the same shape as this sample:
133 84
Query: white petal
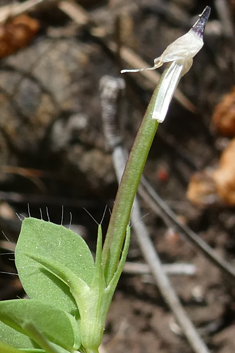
168 84
139 70
183 48
186 46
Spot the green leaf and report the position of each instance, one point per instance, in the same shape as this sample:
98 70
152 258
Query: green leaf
5 348
43 342
78 288
55 242
10 336
52 323
33 350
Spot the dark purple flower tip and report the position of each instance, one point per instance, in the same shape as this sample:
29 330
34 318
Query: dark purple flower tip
199 26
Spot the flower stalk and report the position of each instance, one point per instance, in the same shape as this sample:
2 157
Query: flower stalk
127 189
179 55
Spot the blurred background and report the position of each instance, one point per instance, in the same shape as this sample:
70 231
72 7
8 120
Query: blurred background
54 161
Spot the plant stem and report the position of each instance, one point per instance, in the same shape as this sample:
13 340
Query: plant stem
128 188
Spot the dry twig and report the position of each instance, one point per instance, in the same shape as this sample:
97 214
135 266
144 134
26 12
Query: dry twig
16 9
155 202
170 269
36 199
223 11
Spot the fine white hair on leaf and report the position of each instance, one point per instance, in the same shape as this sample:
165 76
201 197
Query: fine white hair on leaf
28 210
47 212
3 233
62 215
70 219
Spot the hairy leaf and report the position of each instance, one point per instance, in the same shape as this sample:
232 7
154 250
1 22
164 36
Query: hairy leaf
5 348
58 243
9 336
54 324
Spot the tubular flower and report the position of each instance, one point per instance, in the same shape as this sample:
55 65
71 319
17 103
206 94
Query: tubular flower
179 55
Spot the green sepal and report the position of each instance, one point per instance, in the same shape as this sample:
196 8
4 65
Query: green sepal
96 307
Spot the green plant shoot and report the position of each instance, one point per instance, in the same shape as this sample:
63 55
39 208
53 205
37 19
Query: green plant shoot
70 292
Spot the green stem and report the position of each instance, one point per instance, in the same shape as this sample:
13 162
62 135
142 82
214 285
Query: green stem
128 188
